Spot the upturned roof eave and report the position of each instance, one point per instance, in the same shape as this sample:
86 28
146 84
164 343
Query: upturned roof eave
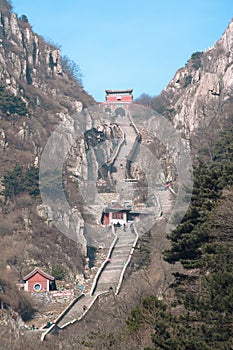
41 272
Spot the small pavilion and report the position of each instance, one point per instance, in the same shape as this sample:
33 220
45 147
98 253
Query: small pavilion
38 281
119 96
121 214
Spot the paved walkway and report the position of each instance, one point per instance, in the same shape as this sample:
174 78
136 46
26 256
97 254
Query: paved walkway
109 277
76 311
112 274
124 189
165 202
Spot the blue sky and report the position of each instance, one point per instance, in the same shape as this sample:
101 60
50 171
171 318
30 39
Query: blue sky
136 44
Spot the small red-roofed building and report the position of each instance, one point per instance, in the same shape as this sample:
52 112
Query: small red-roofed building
117 101
122 214
39 281
119 96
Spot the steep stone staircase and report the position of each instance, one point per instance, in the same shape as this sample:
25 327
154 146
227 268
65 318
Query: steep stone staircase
165 202
77 311
110 276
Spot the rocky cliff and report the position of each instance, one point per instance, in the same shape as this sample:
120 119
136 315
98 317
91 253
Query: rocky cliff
198 100
43 109
37 93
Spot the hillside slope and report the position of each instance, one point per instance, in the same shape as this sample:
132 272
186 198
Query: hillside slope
37 92
198 100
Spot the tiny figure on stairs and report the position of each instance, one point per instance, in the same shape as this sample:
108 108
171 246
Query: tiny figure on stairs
84 308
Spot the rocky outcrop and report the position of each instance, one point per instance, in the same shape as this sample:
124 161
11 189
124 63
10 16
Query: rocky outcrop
59 130
72 220
197 99
26 59
3 142
32 72
10 320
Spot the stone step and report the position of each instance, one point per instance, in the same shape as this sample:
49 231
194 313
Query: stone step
76 311
118 266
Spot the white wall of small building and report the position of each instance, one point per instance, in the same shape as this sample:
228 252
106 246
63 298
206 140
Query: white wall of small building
47 286
116 221
26 286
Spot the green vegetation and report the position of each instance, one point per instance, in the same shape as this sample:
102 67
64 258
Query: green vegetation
189 235
23 18
209 182
187 81
169 332
196 59
199 316
51 183
19 181
11 105
196 55
58 272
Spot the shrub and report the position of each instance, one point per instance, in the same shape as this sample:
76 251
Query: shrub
58 272
187 80
10 104
196 59
23 18
17 181
72 68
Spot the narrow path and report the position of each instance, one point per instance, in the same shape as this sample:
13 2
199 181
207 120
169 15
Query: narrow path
124 189
110 275
165 202
77 311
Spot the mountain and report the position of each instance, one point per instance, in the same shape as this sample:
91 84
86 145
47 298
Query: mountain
198 100
41 98
194 309
38 90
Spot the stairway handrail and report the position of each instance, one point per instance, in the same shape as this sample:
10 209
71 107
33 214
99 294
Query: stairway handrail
106 261
172 191
128 261
117 150
61 315
84 313
133 124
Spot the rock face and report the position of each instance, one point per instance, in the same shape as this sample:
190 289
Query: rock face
11 321
3 143
26 59
32 72
55 126
199 97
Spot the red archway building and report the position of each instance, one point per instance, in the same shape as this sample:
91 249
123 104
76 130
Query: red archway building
116 101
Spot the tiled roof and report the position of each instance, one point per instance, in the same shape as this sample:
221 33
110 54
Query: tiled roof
118 91
42 273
